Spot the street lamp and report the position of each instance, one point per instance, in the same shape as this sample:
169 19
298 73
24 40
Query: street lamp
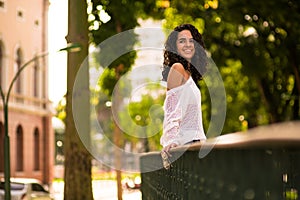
71 47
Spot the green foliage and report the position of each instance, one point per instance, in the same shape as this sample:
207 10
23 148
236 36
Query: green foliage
107 18
61 110
108 80
101 30
147 112
255 44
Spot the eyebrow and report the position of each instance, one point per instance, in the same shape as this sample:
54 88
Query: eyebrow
185 38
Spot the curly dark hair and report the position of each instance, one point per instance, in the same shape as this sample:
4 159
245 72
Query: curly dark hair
198 64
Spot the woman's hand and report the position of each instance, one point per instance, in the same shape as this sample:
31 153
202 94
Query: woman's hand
165 154
168 148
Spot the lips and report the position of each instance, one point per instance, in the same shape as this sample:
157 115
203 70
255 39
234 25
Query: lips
188 51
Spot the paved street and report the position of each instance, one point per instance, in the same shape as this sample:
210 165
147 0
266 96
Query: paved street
103 190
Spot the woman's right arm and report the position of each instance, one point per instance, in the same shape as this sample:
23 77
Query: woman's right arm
172 119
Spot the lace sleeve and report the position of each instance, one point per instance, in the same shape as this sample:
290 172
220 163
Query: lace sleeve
172 119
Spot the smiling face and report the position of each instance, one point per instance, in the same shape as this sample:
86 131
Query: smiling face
185 45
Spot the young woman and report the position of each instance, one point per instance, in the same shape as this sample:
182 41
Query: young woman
185 62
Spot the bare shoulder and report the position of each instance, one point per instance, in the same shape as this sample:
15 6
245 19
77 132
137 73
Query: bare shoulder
177 76
178 67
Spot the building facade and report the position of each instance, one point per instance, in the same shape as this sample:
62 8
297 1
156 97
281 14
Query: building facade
23 37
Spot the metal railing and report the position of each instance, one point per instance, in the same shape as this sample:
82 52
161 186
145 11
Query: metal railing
263 163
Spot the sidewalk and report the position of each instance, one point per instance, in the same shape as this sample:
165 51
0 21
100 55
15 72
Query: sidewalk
102 190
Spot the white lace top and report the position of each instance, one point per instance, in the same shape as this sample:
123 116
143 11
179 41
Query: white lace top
183 115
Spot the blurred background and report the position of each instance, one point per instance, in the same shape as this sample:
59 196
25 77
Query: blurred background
254 44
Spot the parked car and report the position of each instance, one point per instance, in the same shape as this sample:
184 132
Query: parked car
26 189
18 191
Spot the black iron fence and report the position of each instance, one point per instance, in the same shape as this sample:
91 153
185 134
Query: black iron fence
263 163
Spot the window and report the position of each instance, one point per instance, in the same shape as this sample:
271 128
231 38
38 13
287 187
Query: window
36 23
18 64
1 66
19 149
20 14
36 150
36 79
1 145
38 188
2 4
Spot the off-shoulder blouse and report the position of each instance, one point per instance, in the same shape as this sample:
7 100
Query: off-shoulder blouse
182 115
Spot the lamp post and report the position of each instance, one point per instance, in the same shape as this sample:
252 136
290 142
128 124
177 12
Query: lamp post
71 47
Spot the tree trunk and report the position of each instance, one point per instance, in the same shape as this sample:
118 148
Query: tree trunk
117 131
118 160
78 183
117 137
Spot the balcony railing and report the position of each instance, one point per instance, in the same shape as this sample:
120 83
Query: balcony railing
263 163
29 104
